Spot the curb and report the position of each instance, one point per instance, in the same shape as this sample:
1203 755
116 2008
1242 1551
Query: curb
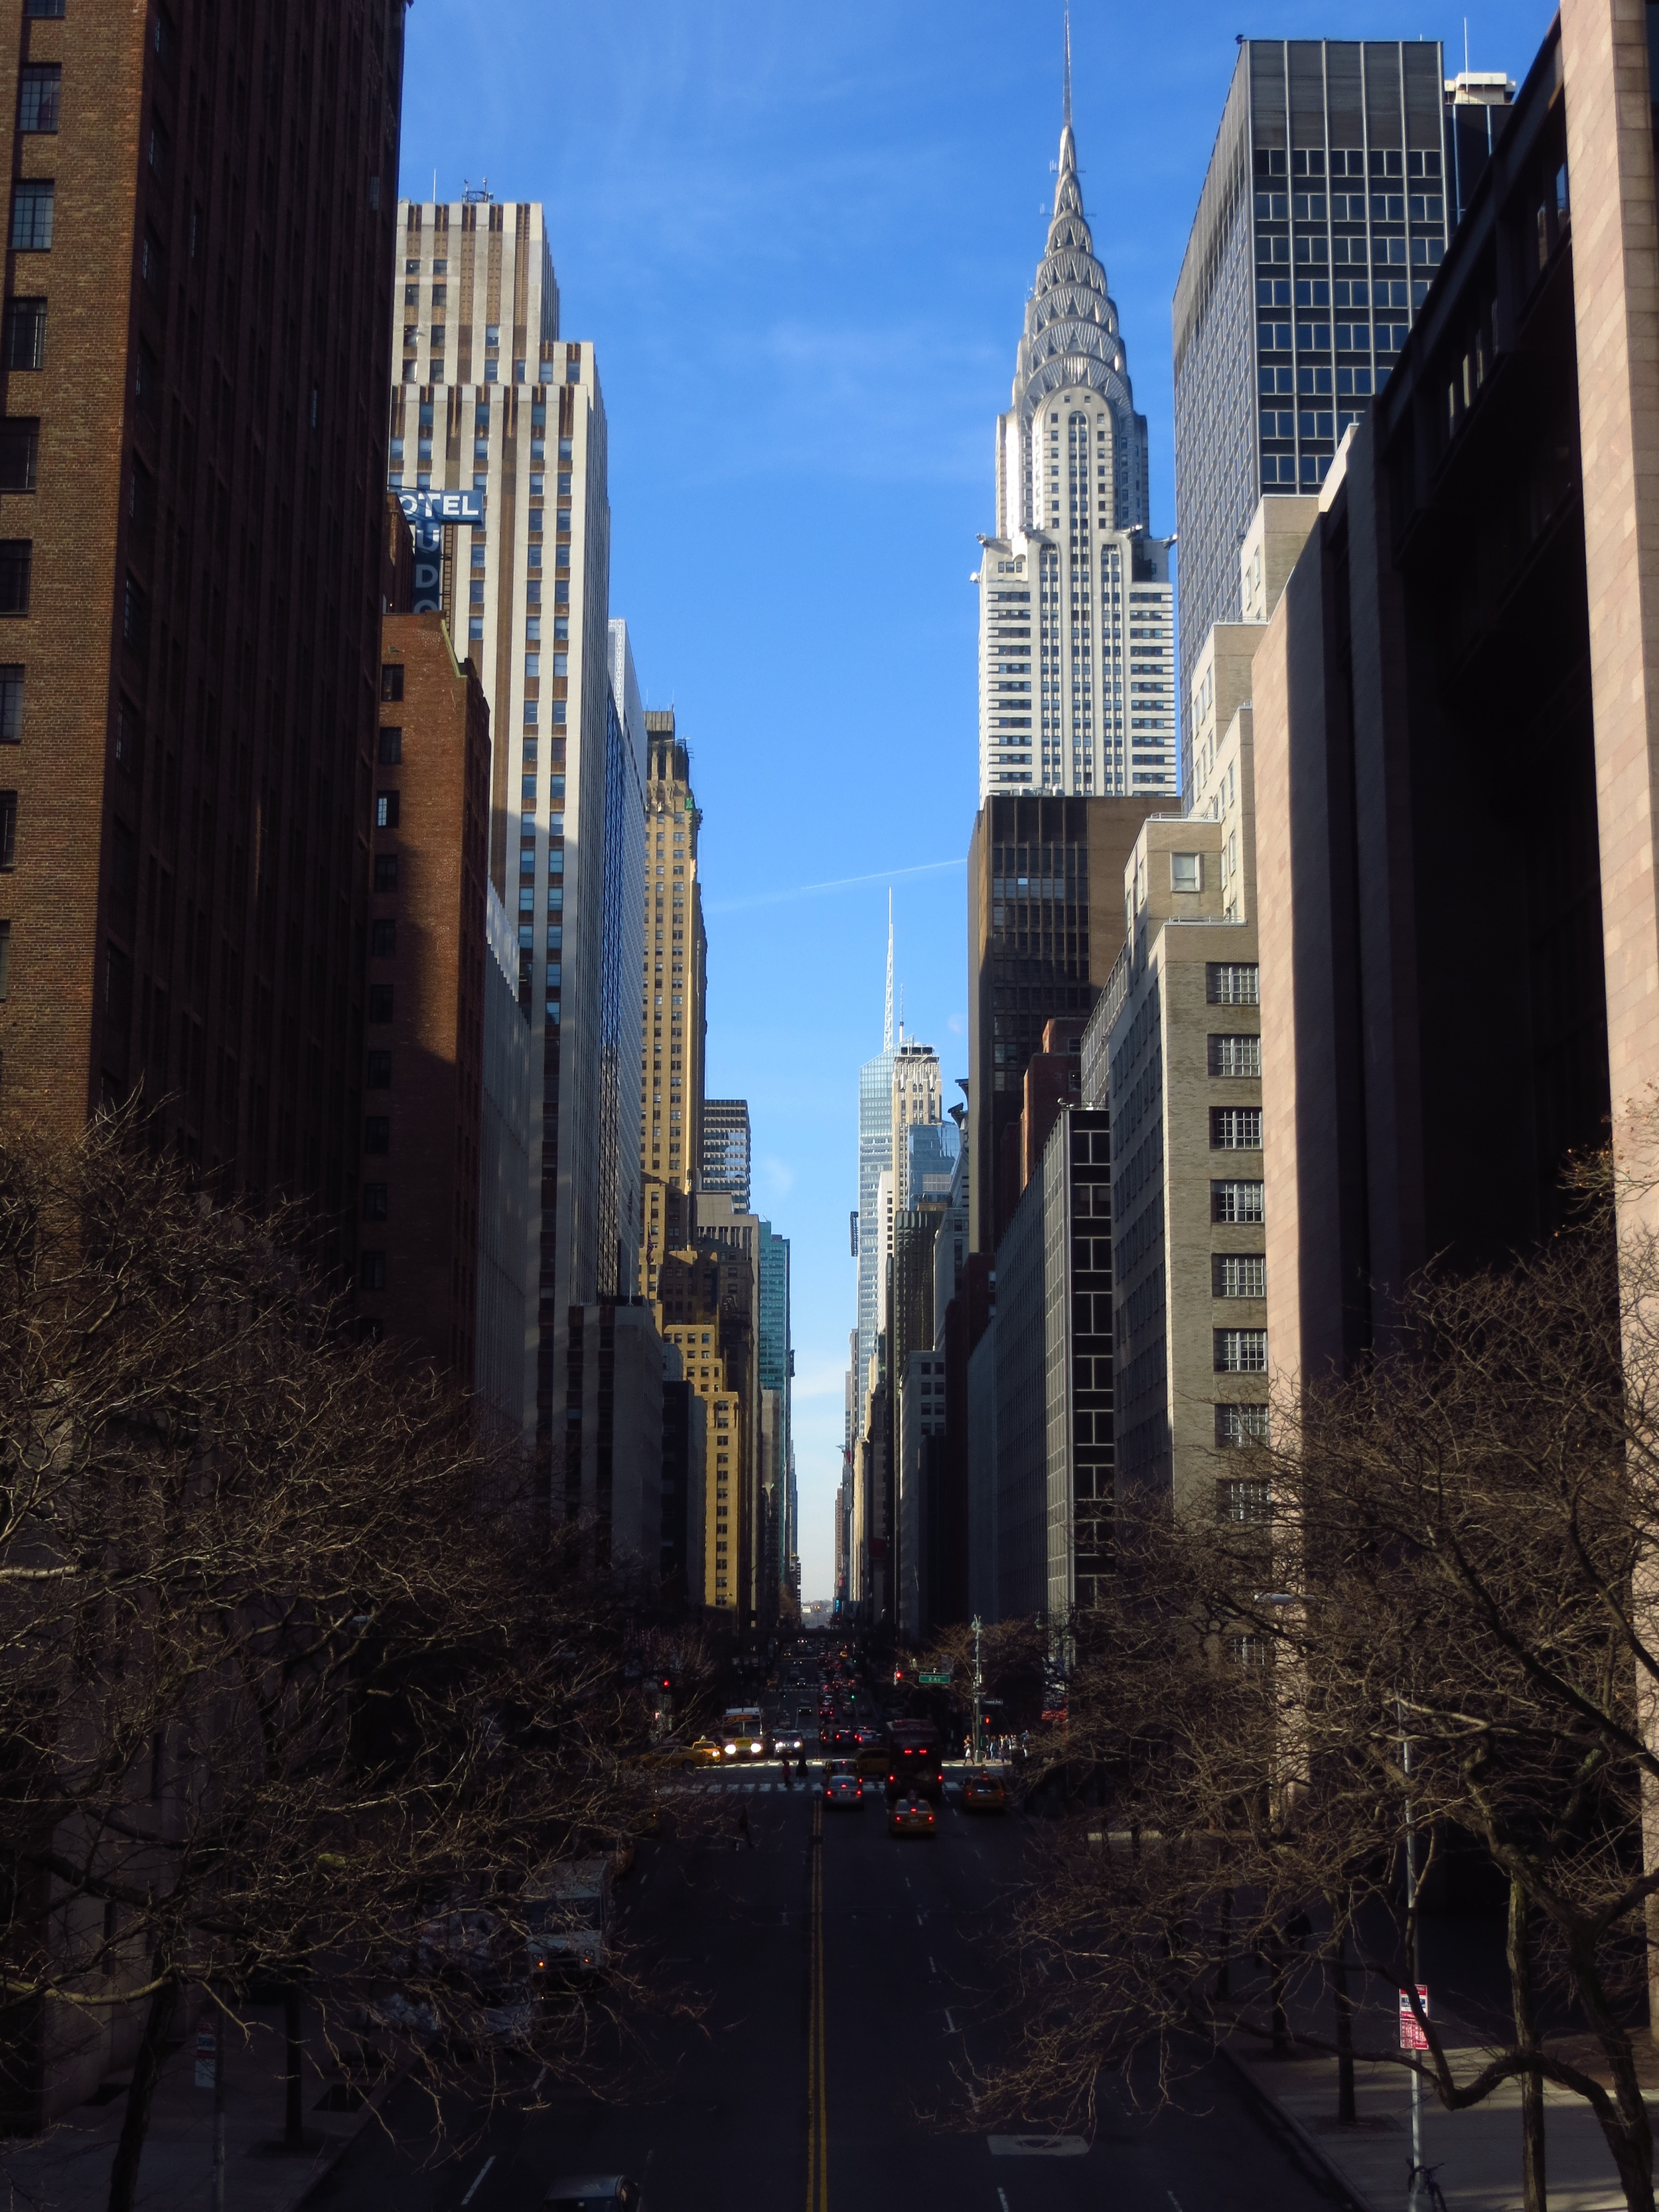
1309 2144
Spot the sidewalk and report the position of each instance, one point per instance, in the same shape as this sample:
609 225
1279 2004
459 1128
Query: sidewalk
1477 2152
67 2168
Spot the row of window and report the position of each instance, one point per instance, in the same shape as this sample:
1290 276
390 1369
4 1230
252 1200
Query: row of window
1346 162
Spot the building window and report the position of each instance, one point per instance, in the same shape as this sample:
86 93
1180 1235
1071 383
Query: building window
16 558
1232 983
1247 1651
129 737
20 452
40 91
372 1275
392 747
386 871
44 10
379 997
383 940
1186 871
26 334
135 614
377 1133
11 705
386 810
31 216
1241 1351
1241 1425
392 679
1238 1274
374 1205
7 828
1236 1201
1236 1129
379 1074
1235 1055
5 959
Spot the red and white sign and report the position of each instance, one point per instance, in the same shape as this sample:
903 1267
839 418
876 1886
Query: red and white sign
1412 2037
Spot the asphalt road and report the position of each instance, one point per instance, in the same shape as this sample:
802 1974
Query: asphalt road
729 2119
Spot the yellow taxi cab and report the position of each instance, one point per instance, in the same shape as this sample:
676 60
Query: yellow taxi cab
984 1792
912 1816
705 1751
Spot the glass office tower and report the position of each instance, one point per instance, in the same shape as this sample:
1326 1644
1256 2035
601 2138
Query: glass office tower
1321 221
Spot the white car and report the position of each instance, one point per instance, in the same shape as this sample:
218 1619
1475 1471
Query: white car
844 1787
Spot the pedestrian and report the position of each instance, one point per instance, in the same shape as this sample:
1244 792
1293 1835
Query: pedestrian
802 1762
788 1773
742 1835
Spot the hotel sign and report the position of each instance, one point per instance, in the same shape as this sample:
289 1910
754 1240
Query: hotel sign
442 506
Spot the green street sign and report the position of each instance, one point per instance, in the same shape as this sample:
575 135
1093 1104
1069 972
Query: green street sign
934 1681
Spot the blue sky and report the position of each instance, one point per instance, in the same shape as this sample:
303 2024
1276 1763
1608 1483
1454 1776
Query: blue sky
801 240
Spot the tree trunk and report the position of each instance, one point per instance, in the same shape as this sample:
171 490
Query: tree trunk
1346 2107
293 2124
147 2067
1630 2135
1533 2197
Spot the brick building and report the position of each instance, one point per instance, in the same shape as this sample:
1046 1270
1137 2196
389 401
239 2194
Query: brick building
417 1274
195 347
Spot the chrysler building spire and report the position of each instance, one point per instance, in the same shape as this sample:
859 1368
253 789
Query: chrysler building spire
1067 705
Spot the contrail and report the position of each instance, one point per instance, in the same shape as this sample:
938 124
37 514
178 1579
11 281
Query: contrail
840 884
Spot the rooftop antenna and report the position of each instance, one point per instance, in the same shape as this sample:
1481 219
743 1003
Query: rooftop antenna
1465 45
434 188
1065 117
887 1022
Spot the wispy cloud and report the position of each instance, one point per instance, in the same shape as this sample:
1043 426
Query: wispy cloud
837 884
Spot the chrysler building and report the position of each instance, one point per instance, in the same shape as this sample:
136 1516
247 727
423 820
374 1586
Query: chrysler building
1077 683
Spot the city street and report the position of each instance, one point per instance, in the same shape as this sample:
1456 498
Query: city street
904 1932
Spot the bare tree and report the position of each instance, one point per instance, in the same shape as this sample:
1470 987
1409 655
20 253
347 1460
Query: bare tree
301 1685
1453 1554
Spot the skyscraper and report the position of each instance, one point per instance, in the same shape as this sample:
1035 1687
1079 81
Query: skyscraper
191 576
675 971
1321 222
725 1148
875 1160
1045 926
1076 639
777 1366
621 1216
475 416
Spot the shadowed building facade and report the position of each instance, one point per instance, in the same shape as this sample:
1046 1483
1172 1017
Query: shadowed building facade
196 331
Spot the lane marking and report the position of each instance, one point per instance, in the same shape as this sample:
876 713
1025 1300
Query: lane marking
1002 2199
1174 2199
950 2025
932 1969
478 2179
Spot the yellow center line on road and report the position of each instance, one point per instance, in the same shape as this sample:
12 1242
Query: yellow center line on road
818 2123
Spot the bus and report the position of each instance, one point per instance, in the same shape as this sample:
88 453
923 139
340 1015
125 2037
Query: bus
743 1735
913 1759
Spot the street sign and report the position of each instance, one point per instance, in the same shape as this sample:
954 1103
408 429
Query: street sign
1412 2037
934 1681
207 2058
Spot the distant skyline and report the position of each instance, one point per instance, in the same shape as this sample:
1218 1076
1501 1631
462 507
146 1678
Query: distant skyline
801 242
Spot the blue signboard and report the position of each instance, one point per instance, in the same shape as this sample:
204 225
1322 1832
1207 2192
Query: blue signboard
442 506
